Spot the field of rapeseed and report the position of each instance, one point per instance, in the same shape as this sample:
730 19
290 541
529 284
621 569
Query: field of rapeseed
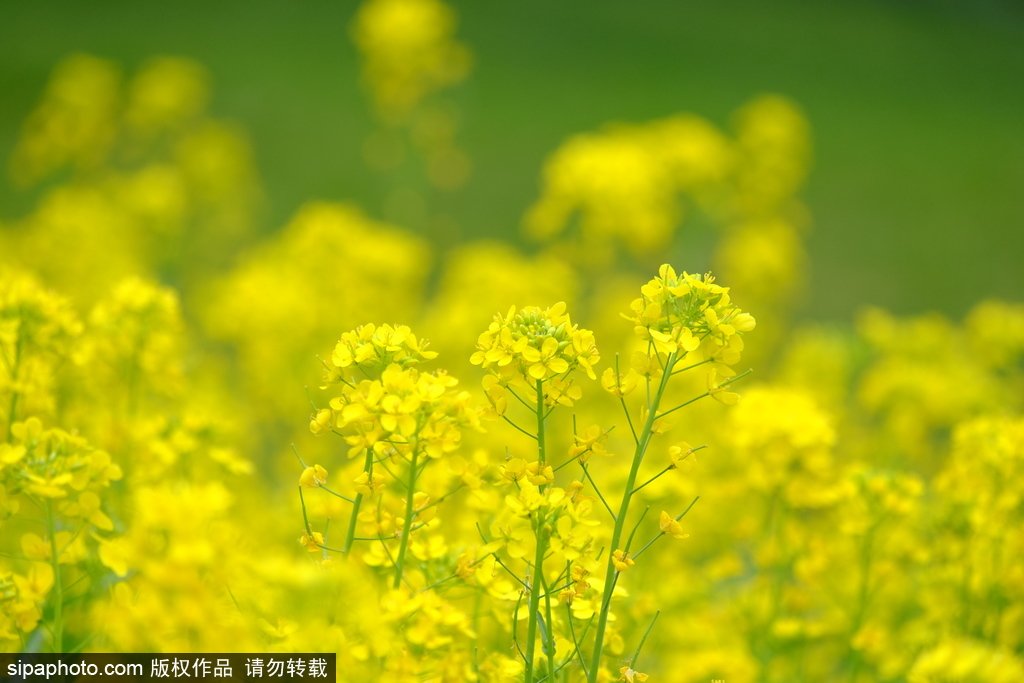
559 460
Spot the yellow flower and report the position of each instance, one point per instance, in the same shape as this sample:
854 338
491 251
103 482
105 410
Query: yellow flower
678 454
627 674
321 421
368 485
619 384
717 389
589 443
466 566
545 362
313 477
621 560
540 474
645 365
116 554
561 392
312 543
497 397
514 469
669 525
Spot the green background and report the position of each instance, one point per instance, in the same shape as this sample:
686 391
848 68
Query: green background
917 112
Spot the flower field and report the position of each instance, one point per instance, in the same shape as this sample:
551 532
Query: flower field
560 459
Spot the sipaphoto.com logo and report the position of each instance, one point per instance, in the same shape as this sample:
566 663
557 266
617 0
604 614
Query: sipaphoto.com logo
138 667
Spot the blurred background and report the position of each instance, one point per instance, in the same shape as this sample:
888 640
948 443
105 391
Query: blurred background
914 110
198 198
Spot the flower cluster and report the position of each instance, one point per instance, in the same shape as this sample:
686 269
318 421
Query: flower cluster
409 51
61 475
534 345
859 511
404 410
678 314
370 346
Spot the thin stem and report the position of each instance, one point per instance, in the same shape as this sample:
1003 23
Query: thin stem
684 404
622 400
301 461
691 367
629 541
393 475
403 543
58 590
538 562
535 584
510 572
498 559
309 397
14 392
610 572
636 655
532 436
515 624
651 479
520 398
707 393
575 640
541 451
357 503
335 493
550 649
441 499
607 507
305 519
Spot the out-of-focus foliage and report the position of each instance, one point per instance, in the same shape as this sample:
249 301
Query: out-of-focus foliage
861 496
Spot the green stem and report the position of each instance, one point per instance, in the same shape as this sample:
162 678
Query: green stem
541 451
368 468
535 586
652 479
607 507
58 589
538 561
14 393
636 655
620 519
575 640
551 634
407 530
622 401
518 427
862 598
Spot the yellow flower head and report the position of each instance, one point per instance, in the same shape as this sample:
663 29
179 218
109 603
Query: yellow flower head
537 344
630 676
717 389
589 443
312 542
320 422
375 347
678 314
621 560
669 525
313 477
409 51
618 384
